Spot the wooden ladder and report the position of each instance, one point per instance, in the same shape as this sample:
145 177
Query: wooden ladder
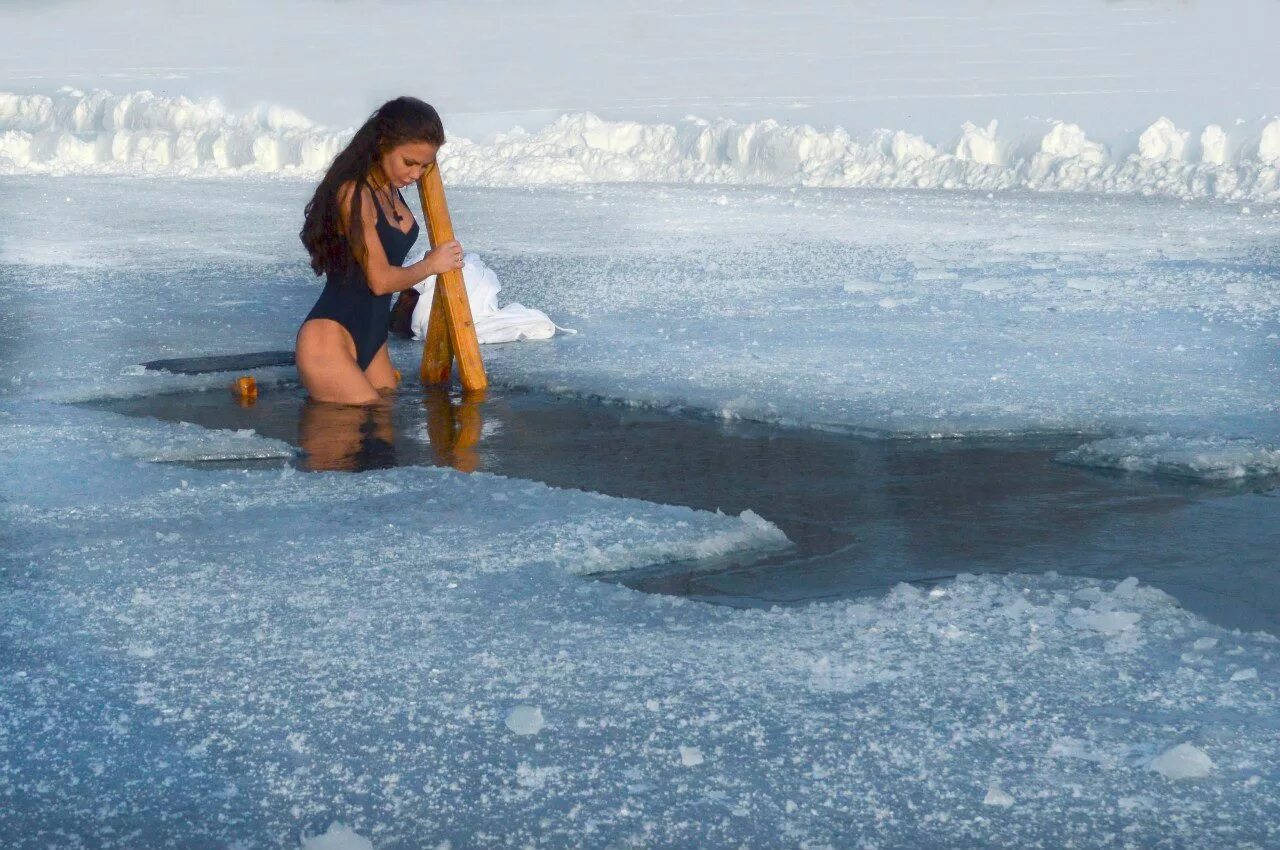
450 331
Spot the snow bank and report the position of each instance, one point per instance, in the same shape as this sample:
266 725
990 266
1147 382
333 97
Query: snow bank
141 133
1205 458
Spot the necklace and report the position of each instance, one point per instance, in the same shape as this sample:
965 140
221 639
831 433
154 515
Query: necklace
391 204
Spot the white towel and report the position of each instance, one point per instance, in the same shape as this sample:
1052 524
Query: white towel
509 324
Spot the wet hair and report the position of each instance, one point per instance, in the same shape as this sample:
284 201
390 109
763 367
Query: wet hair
396 122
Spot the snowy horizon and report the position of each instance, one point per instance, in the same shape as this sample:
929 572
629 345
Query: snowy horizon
924 68
142 134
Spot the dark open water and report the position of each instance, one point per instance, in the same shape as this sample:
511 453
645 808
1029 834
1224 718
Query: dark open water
863 513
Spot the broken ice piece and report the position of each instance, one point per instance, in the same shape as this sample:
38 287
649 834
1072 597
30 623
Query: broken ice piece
525 720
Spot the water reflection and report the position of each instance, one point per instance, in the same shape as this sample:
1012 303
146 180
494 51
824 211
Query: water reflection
346 437
454 427
353 438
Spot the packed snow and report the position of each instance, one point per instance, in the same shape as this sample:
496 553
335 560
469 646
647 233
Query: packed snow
138 133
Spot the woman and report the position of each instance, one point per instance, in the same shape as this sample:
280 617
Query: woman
358 231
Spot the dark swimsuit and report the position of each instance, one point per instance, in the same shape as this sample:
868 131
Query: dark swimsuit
348 300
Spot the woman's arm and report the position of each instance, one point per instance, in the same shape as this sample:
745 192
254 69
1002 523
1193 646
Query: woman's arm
383 277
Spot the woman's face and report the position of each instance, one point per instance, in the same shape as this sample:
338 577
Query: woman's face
405 163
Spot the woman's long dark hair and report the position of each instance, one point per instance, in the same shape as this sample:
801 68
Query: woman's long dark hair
396 122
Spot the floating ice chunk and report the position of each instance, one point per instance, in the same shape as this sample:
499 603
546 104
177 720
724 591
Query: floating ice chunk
751 532
187 443
690 756
525 720
1248 674
337 837
997 797
1185 761
1204 644
1126 588
1106 622
1204 458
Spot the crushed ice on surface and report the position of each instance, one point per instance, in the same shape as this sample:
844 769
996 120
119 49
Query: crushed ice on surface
321 648
213 657
1207 458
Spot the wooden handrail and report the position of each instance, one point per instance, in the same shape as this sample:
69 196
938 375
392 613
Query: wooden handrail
450 331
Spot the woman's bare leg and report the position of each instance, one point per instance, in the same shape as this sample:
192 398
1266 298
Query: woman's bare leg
326 357
380 374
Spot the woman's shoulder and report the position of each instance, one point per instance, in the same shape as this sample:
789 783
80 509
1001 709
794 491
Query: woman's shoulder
347 188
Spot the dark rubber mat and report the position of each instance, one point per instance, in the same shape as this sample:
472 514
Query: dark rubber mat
222 362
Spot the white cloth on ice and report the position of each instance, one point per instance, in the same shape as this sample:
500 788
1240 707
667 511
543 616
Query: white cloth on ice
511 323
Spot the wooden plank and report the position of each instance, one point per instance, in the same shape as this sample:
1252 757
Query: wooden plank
437 352
451 295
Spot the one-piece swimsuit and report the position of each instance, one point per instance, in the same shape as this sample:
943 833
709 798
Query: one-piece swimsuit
347 299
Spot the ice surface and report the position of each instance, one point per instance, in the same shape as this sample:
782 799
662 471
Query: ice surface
279 651
1207 458
691 756
337 837
194 657
1185 761
210 657
997 797
190 443
525 720
74 132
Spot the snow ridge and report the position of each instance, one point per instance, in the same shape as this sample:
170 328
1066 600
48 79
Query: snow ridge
140 133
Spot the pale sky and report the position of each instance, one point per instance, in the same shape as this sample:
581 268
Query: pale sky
924 66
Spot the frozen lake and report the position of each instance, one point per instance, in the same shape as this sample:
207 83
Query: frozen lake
199 655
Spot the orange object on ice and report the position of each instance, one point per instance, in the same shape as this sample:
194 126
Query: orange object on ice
246 389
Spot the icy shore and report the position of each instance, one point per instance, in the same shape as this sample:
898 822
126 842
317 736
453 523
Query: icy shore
139 133
223 658
229 658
